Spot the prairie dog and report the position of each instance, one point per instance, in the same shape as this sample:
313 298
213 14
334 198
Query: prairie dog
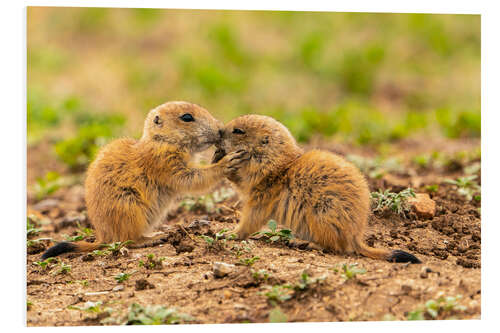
320 196
131 183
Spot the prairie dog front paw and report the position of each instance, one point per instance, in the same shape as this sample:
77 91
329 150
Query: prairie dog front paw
232 161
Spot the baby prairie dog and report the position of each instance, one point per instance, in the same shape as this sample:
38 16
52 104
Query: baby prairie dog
131 183
320 196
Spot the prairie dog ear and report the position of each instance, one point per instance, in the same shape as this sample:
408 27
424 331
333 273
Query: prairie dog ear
265 140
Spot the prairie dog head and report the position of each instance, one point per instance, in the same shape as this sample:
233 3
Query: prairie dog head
268 142
184 125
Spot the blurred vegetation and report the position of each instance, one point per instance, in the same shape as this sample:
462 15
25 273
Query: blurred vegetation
359 77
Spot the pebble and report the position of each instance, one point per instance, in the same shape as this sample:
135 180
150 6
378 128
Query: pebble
118 288
222 269
423 205
424 273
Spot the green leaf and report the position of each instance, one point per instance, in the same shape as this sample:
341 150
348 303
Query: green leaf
272 225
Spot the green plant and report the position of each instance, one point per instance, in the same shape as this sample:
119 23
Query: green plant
467 187
47 185
239 249
151 262
34 242
91 307
122 277
433 308
85 232
30 228
350 271
45 263
432 188
397 202
115 247
249 261
275 235
63 269
29 304
154 315
277 293
218 240
305 281
260 275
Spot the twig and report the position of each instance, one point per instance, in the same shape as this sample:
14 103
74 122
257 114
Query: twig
187 233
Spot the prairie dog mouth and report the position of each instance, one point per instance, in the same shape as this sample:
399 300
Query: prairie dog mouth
218 155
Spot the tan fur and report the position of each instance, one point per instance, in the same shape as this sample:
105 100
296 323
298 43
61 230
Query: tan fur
320 196
131 183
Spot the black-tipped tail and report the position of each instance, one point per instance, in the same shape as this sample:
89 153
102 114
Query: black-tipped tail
58 249
402 256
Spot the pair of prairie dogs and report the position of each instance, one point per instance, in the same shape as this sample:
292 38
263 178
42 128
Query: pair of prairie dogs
131 184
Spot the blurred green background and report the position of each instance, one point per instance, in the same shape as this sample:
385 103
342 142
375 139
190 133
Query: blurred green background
368 79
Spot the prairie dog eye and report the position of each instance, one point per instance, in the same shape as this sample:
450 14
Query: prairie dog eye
238 131
187 117
157 120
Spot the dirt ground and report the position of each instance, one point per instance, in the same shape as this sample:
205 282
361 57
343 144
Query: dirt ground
449 245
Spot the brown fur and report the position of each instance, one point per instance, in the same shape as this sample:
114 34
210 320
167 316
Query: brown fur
320 196
131 183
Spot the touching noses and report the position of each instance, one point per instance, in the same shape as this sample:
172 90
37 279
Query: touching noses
221 133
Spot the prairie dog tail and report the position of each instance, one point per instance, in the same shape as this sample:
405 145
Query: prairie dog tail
391 256
64 247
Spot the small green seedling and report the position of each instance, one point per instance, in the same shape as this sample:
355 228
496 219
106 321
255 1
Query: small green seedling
154 315
151 262
219 237
432 188
30 228
277 293
34 242
91 307
63 269
115 247
467 187
433 308
260 275
29 304
305 281
397 202
85 232
422 161
249 261
274 235
122 277
76 238
240 249
45 264
350 271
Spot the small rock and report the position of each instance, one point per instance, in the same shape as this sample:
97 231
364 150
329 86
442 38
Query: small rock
118 288
227 294
143 284
423 205
239 306
222 269
46 205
